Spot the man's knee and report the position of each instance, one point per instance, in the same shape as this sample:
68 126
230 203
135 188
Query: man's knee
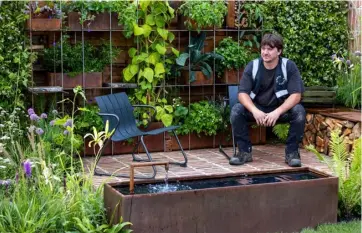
237 111
298 113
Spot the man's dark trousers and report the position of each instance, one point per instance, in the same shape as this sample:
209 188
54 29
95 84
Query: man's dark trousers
240 117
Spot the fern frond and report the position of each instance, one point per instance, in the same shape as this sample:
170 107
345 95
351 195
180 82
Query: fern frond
281 131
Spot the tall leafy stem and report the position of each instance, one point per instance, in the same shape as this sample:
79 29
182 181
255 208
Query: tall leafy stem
154 56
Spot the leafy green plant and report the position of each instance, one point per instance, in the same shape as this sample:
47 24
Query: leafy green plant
88 118
281 131
149 61
203 118
15 58
253 12
203 14
349 80
348 172
235 56
180 112
311 31
71 57
197 61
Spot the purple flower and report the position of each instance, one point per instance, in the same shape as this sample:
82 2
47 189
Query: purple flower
68 123
52 122
334 56
348 63
43 116
30 111
342 59
357 53
5 182
34 117
39 131
54 44
66 132
27 168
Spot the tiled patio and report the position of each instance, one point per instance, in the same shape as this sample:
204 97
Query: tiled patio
204 162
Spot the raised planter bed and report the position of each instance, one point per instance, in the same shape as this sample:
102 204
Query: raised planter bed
100 22
43 24
231 76
243 205
90 80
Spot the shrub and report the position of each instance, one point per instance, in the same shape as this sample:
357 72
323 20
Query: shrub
311 30
204 13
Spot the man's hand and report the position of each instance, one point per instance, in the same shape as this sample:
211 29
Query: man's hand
259 116
271 118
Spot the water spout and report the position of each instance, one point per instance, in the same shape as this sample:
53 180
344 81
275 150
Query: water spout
146 164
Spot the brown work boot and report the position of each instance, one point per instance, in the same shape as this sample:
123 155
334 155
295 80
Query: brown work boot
293 159
240 158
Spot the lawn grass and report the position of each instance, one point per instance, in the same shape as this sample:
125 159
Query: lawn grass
342 227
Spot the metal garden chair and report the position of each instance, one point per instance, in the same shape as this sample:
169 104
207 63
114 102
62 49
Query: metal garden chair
117 109
233 99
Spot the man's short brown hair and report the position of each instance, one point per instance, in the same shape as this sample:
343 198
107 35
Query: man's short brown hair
273 40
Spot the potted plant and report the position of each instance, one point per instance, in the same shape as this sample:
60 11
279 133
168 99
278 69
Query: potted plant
230 69
44 16
198 70
248 14
69 59
203 14
101 15
203 122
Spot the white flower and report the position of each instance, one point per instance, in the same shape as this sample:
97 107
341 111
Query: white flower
2 126
2 167
5 138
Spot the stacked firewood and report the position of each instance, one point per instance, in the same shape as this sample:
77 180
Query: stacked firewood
318 129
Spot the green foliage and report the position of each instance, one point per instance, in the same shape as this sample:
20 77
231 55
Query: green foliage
341 227
281 131
253 12
88 118
203 118
235 56
95 58
197 61
349 81
203 13
180 112
15 58
150 61
348 172
312 30
45 194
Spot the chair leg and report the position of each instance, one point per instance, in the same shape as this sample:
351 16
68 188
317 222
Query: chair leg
182 164
221 150
136 158
121 175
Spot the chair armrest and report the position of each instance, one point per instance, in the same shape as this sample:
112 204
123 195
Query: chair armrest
112 115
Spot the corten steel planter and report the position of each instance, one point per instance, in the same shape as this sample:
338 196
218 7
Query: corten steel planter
93 79
100 22
44 24
200 78
231 76
287 206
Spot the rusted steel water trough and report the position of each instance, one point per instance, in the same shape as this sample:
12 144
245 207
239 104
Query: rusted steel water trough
286 206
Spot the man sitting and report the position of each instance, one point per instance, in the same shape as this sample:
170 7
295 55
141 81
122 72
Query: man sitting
270 91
